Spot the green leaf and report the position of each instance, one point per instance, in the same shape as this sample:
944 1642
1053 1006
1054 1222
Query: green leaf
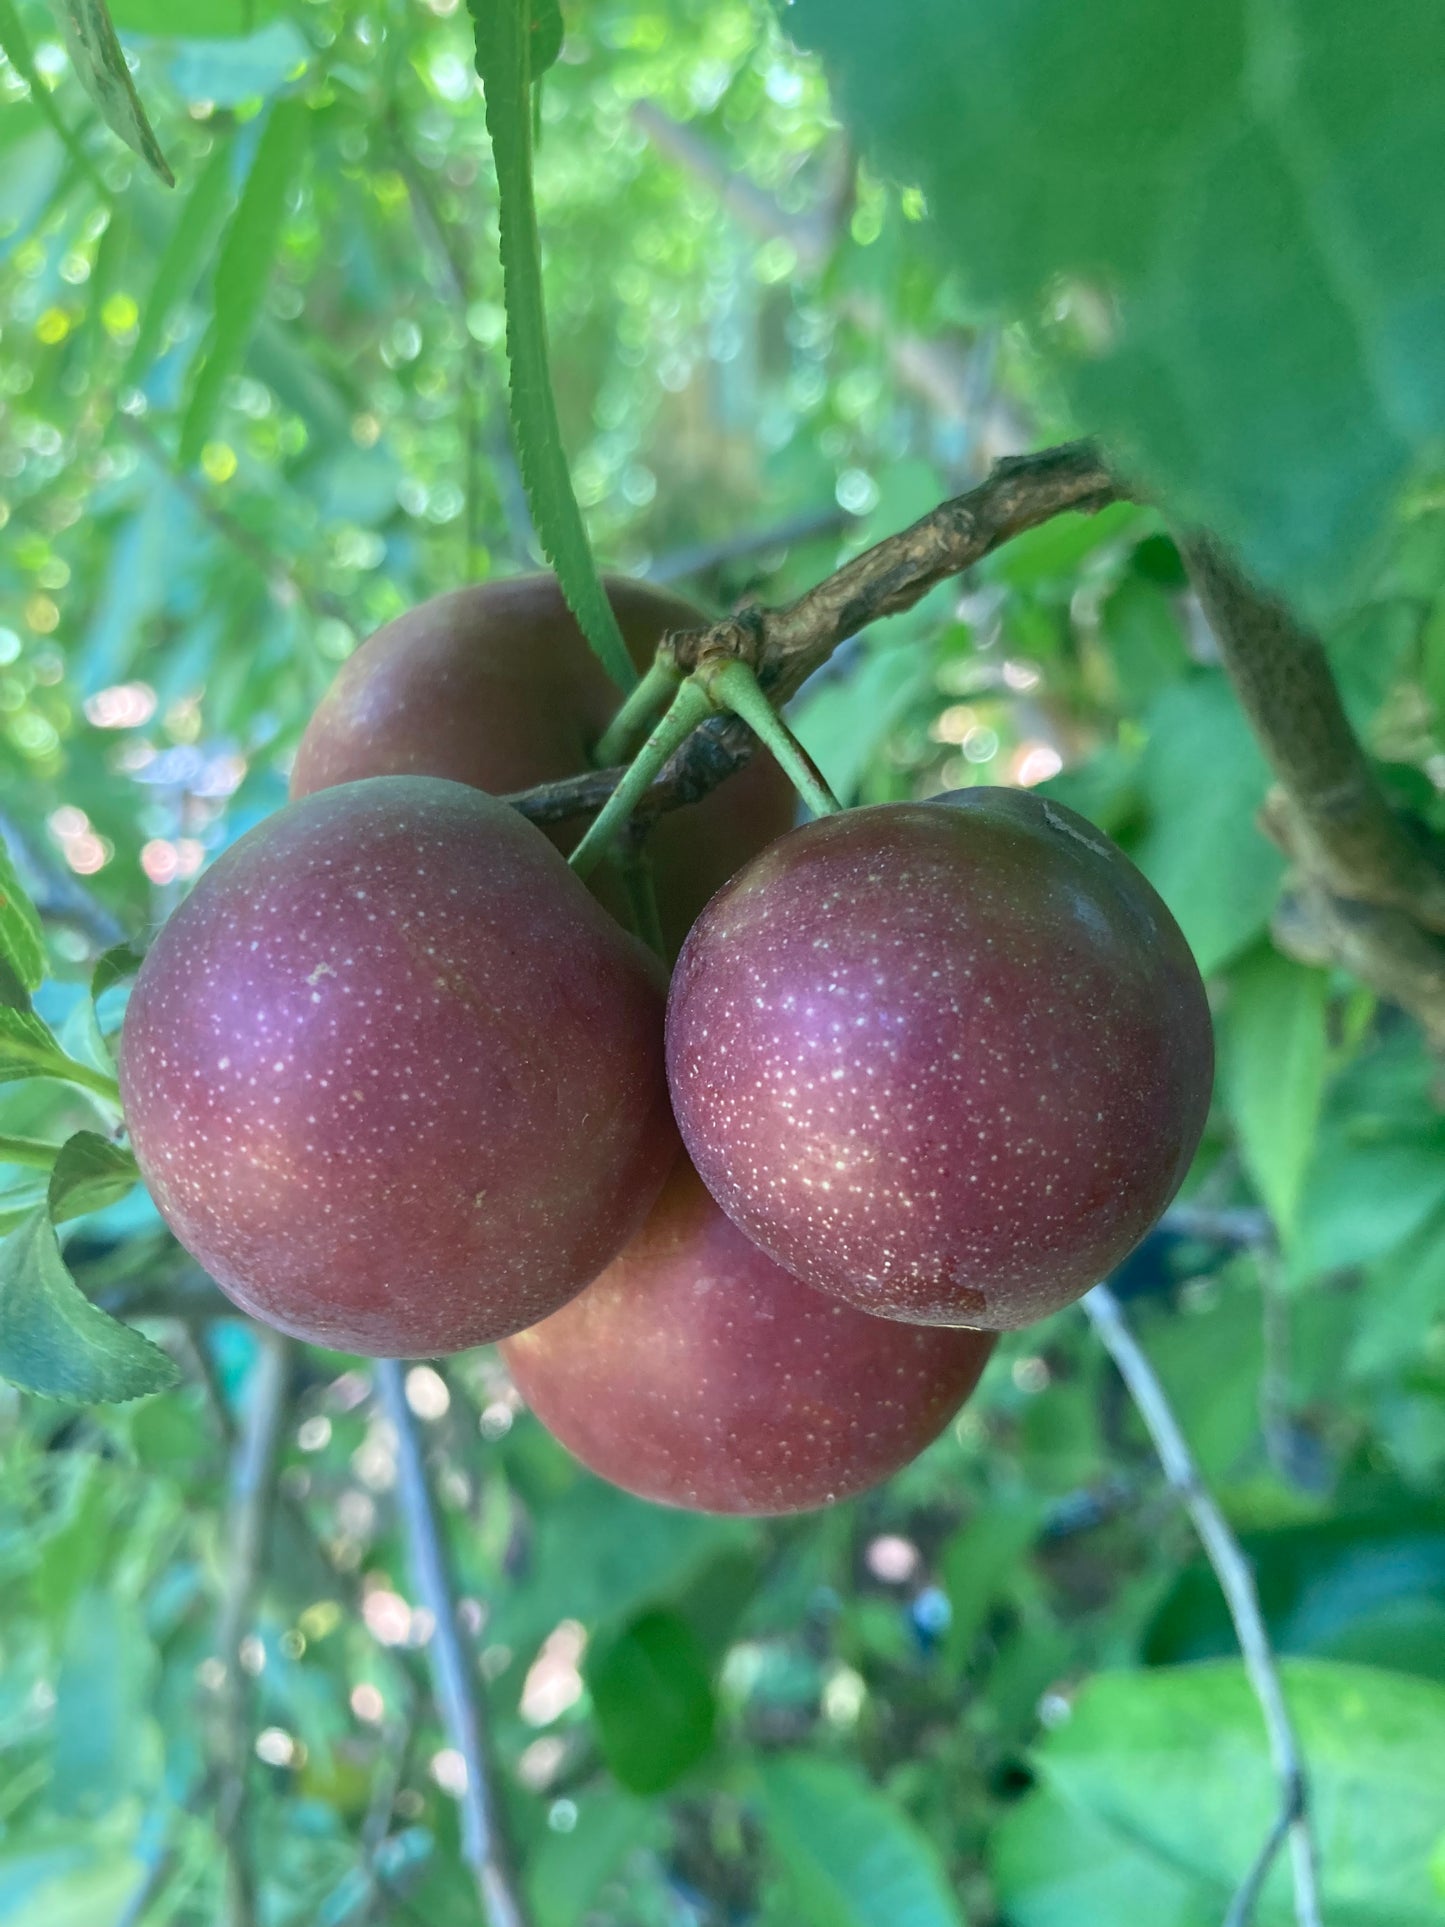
53 1341
28 1046
1171 1771
190 245
22 946
100 65
192 19
566 1871
1273 1060
510 35
851 1858
118 963
978 1563
1204 778
1140 627
652 1696
16 48
99 1705
243 269
1195 186
89 1173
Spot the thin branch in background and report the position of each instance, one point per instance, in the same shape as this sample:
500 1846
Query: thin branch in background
1236 1582
246 1529
484 1843
284 584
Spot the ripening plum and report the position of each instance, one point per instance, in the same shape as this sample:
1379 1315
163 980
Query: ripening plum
697 1373
393 1076
495 685
947 1061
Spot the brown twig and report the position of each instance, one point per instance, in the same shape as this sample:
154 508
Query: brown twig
786 645
1370 884
484 1842
247 1524
1236 1582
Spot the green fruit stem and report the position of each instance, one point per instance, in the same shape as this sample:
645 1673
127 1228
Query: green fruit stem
33 1152
639 713
732 685
690 706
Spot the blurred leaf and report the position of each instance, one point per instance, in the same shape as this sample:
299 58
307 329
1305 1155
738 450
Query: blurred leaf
977 1564
53 1341
1204 778
851 1858
66 1881
22 947
1140 628
189 246
511 35
1194 187
1364 1195
192 19
652 1696
89 1174
99 1705
243 269
16 48
1173 1769
1273 1060
843 718
100 65
233 72
1403 1296
567 1871
1367 1587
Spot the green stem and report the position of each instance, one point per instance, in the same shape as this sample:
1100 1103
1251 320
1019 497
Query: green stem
638 713
637 879
732 685
690 706
72 1071
33 1152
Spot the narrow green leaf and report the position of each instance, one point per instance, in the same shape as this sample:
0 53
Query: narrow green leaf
89 1173
101 68
31 1153
851 1858
652 1695
511 36
28 1046
16 48
54 1342
21 944
242 269
1273 1059
188 248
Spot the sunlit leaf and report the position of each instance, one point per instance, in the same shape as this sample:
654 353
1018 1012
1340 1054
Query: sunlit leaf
22 946
101 67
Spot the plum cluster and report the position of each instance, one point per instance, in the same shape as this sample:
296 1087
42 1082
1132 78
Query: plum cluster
404 1085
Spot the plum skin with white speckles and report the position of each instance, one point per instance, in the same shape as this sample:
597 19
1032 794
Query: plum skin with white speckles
696 1373
393 1076
946 1061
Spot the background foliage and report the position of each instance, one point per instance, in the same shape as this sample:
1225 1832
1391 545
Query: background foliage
245 420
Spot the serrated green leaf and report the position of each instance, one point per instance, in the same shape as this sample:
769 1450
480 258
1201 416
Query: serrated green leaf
510 34
190 245
28 1046
652 1695
122 960
1172 1771
89 1173
1196 186
1273 1060
16 48
22 946
101 68
54 1342
243 269
852 1859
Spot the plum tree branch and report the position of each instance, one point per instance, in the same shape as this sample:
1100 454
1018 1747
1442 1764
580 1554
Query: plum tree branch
784 646
1371 883
247 1525
484 1841
1236 1582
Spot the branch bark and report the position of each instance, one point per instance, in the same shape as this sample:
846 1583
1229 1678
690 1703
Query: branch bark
484 1843
1370 884
786 645
1236 1582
